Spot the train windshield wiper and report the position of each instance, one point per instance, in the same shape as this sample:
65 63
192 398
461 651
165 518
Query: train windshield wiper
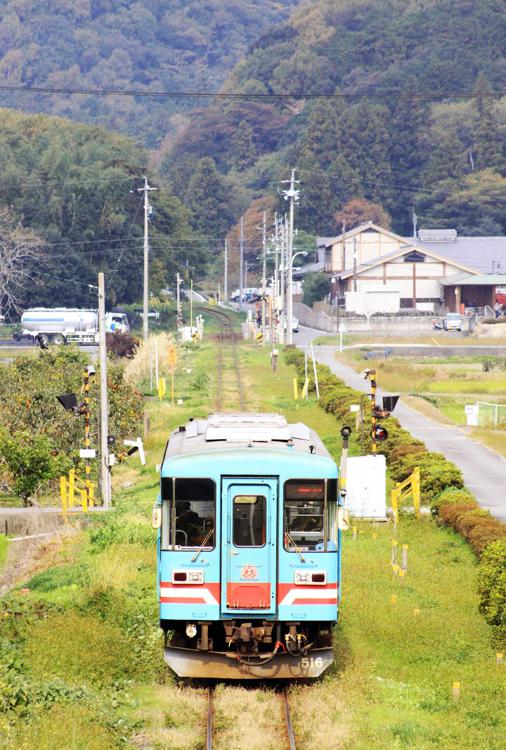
206 539
292 543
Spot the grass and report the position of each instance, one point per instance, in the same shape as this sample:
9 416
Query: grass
4 544
435 338
100 682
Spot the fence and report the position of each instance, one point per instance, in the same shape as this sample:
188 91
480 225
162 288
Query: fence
410 486
73 486
491 415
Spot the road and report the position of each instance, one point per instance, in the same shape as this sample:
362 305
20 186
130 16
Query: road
484 471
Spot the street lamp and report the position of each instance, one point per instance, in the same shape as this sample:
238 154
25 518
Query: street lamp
290 293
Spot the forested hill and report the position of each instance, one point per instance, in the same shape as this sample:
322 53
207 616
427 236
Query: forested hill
163 45
388 140
69 208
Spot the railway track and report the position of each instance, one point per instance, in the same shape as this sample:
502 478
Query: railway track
226 333
285 709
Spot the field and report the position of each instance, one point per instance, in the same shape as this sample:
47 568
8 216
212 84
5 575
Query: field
100 682
440 387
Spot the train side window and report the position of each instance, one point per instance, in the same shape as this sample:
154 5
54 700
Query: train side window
188 513
249 520
309 509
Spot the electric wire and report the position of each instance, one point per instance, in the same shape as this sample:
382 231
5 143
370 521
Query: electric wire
242 95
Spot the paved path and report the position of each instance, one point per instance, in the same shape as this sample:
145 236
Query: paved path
484 471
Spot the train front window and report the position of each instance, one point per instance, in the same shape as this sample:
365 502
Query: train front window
249 518
188 513
309 513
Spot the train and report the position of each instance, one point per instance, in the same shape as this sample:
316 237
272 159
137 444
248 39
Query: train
249 519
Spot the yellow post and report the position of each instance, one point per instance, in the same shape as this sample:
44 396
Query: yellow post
395 505
295 390
72 478
162 388
416 491
63 495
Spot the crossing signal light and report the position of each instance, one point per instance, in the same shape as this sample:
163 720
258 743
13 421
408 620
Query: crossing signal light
379 434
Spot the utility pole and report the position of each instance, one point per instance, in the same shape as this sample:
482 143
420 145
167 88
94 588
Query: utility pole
282 276
354 264
104 405
293 195
264 272
147 210
275 292
225 274
415 221
241 262
179 317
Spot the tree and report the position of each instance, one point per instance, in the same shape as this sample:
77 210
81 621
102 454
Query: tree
207 199
468 202
488 152
243 147
316 287
29 459
20 249
359 211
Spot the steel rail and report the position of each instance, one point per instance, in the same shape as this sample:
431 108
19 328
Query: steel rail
209 725
288 720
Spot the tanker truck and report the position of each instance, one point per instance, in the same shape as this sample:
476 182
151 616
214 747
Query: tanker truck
63 325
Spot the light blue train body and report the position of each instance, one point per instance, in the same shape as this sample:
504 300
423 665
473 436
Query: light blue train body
249 551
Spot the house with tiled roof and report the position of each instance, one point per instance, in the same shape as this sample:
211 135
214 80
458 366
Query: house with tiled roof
371 258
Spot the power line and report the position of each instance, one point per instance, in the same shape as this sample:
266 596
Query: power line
240 95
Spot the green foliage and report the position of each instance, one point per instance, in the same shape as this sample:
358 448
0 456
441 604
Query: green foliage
77 648
103 44
374 149
41 438
116 530
316 287
492 585
30 461
58 577
4 544
450 496
84 208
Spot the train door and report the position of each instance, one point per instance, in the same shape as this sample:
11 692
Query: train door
248 564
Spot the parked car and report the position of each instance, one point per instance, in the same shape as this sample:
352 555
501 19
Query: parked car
453 322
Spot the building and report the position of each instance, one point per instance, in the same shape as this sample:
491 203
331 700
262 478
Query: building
369 258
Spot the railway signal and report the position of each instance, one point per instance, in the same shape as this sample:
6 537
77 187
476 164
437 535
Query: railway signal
378 434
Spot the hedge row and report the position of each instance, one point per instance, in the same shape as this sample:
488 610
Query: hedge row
442 486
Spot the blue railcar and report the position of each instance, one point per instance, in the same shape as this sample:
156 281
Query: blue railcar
249 549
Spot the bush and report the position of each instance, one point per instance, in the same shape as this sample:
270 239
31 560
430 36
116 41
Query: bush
492 583
450 514
122 344
487 531
475 524
450 496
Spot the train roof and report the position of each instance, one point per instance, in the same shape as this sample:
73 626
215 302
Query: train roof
243 430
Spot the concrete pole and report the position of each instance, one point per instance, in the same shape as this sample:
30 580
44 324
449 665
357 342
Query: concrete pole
145 298
264 273
290 258
105 485
241 262
225 273
282 280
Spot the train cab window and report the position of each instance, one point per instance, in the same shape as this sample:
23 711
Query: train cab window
249 519
188 513
309 515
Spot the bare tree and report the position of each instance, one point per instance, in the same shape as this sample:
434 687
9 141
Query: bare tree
20 250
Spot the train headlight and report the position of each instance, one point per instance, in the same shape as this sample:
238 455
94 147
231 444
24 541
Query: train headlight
310 578
191 630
